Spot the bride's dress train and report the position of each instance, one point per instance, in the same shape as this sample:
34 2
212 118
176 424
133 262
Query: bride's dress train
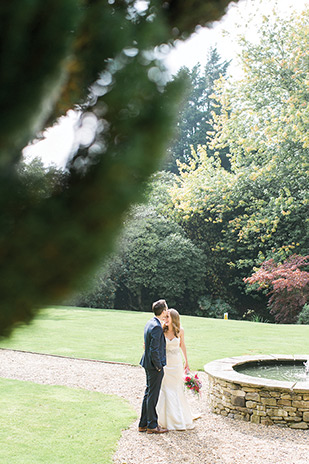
173 408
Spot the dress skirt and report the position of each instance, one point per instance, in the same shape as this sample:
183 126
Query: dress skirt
173 408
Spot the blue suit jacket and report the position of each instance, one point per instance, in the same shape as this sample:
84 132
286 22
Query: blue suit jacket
154 356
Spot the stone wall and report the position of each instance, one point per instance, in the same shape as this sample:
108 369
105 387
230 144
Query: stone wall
261 401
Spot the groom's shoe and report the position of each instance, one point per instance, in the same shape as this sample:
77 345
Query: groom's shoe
157 430
142 429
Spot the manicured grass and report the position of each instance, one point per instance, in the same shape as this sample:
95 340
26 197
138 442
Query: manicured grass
211 339
113 335
59 425
48 425
97 334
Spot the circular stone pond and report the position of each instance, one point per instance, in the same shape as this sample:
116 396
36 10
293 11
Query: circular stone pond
255 398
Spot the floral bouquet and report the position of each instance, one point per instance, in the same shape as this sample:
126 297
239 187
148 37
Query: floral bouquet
193 383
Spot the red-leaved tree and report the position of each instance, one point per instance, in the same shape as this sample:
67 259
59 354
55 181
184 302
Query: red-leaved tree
289 284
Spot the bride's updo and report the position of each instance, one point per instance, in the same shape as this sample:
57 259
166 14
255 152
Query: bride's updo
175 319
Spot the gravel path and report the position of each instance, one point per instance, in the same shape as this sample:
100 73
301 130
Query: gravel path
215 439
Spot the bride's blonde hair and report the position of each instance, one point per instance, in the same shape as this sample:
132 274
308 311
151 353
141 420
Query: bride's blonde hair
175 322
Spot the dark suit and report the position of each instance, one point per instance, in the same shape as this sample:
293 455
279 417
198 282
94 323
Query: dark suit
153 360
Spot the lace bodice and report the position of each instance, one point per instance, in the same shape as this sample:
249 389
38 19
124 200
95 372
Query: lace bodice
173 354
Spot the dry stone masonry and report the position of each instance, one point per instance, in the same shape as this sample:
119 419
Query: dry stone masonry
258 400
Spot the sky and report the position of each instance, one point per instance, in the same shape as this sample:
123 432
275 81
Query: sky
221 34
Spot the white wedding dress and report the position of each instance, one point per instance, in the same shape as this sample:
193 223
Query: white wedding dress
173 408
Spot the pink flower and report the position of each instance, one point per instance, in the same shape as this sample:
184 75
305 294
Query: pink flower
193 383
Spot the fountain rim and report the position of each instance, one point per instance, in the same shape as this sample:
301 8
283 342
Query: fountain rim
224 370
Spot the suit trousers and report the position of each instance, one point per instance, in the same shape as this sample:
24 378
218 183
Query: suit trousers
149 417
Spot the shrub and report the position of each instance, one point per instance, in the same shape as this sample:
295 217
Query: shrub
214 307
303 317
100 295
288 283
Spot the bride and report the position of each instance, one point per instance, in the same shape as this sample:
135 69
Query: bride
173 409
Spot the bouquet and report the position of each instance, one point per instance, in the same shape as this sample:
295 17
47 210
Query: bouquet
193 383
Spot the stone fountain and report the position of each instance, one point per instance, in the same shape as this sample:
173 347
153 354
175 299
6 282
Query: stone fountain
235 394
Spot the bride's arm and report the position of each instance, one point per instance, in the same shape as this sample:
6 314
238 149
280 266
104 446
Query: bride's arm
183 348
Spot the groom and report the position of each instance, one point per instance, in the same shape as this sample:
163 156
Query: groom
153 360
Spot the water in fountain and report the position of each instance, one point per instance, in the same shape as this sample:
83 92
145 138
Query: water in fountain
292 372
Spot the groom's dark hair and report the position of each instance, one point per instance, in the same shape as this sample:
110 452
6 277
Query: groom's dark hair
158 307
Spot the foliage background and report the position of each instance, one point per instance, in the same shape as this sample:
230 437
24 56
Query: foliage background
213 225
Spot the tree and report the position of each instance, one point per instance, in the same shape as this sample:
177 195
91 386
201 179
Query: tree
289 283
265 114
194 118
42 181
60 49
264 120
258 210
153 258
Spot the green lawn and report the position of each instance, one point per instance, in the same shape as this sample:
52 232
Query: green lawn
59 425
118 336
48 424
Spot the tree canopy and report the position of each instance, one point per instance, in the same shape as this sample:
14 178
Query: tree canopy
195 115
153 257
288 285
258 210
236 221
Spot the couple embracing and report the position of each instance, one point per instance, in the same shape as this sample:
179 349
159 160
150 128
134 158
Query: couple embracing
165 406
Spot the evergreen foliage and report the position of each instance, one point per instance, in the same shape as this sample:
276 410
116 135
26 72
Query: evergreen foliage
303 317
51 53
194 118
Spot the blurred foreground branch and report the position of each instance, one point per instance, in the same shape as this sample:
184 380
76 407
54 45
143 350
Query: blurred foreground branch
97 57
